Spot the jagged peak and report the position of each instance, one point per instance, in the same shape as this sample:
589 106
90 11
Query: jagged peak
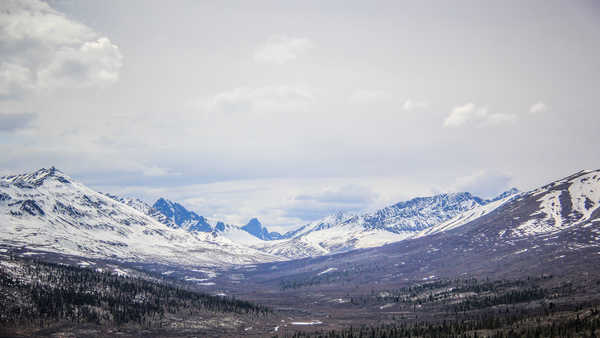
256 229
38 177
504 194
254 221
458 196
162 200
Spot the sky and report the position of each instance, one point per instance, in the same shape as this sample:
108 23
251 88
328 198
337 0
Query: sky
291 110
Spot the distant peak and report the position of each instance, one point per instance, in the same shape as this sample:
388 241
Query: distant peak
255 228
505 194
162 202
50 171
254 222
38 177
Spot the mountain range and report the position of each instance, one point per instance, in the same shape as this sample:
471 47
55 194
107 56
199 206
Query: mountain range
48 210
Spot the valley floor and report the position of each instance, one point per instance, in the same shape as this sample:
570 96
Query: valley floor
46 299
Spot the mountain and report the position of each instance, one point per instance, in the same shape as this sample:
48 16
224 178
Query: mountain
405 220
179 216
551 230
335 233
49 211
256 229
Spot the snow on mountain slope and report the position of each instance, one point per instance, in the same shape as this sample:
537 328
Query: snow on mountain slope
550 231
404 220
144 208
178 216
297 244
188 220
469 215
572 201
420 213
47 210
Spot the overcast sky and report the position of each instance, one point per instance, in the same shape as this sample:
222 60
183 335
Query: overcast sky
289 111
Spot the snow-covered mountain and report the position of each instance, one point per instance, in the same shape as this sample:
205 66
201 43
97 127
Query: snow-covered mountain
49 211
550 231
571 202
338 232
413 218
176 215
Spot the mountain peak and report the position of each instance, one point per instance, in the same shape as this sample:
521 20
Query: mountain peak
253 226
180 216
38 178
256 229
503 195
254 222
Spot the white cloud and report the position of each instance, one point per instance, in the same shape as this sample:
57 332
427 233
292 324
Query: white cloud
281 49
496 118
538 107
483 183
14 79
414 105
44 49
94 63
469 113
268 99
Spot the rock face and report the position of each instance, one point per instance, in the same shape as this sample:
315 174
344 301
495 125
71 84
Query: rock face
179 216
256 229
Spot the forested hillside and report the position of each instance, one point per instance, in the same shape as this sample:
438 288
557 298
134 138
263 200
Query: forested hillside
36 295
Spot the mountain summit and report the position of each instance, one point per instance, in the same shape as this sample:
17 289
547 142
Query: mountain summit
255 228
181 217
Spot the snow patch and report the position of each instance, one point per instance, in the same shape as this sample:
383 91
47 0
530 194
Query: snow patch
326 271
314 322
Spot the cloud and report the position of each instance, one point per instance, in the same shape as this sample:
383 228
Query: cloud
469 113
347 198
94 63
269 99
281 49
14 79
538 107
11 122
484 183
414 105
369 96
345 195
43 49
